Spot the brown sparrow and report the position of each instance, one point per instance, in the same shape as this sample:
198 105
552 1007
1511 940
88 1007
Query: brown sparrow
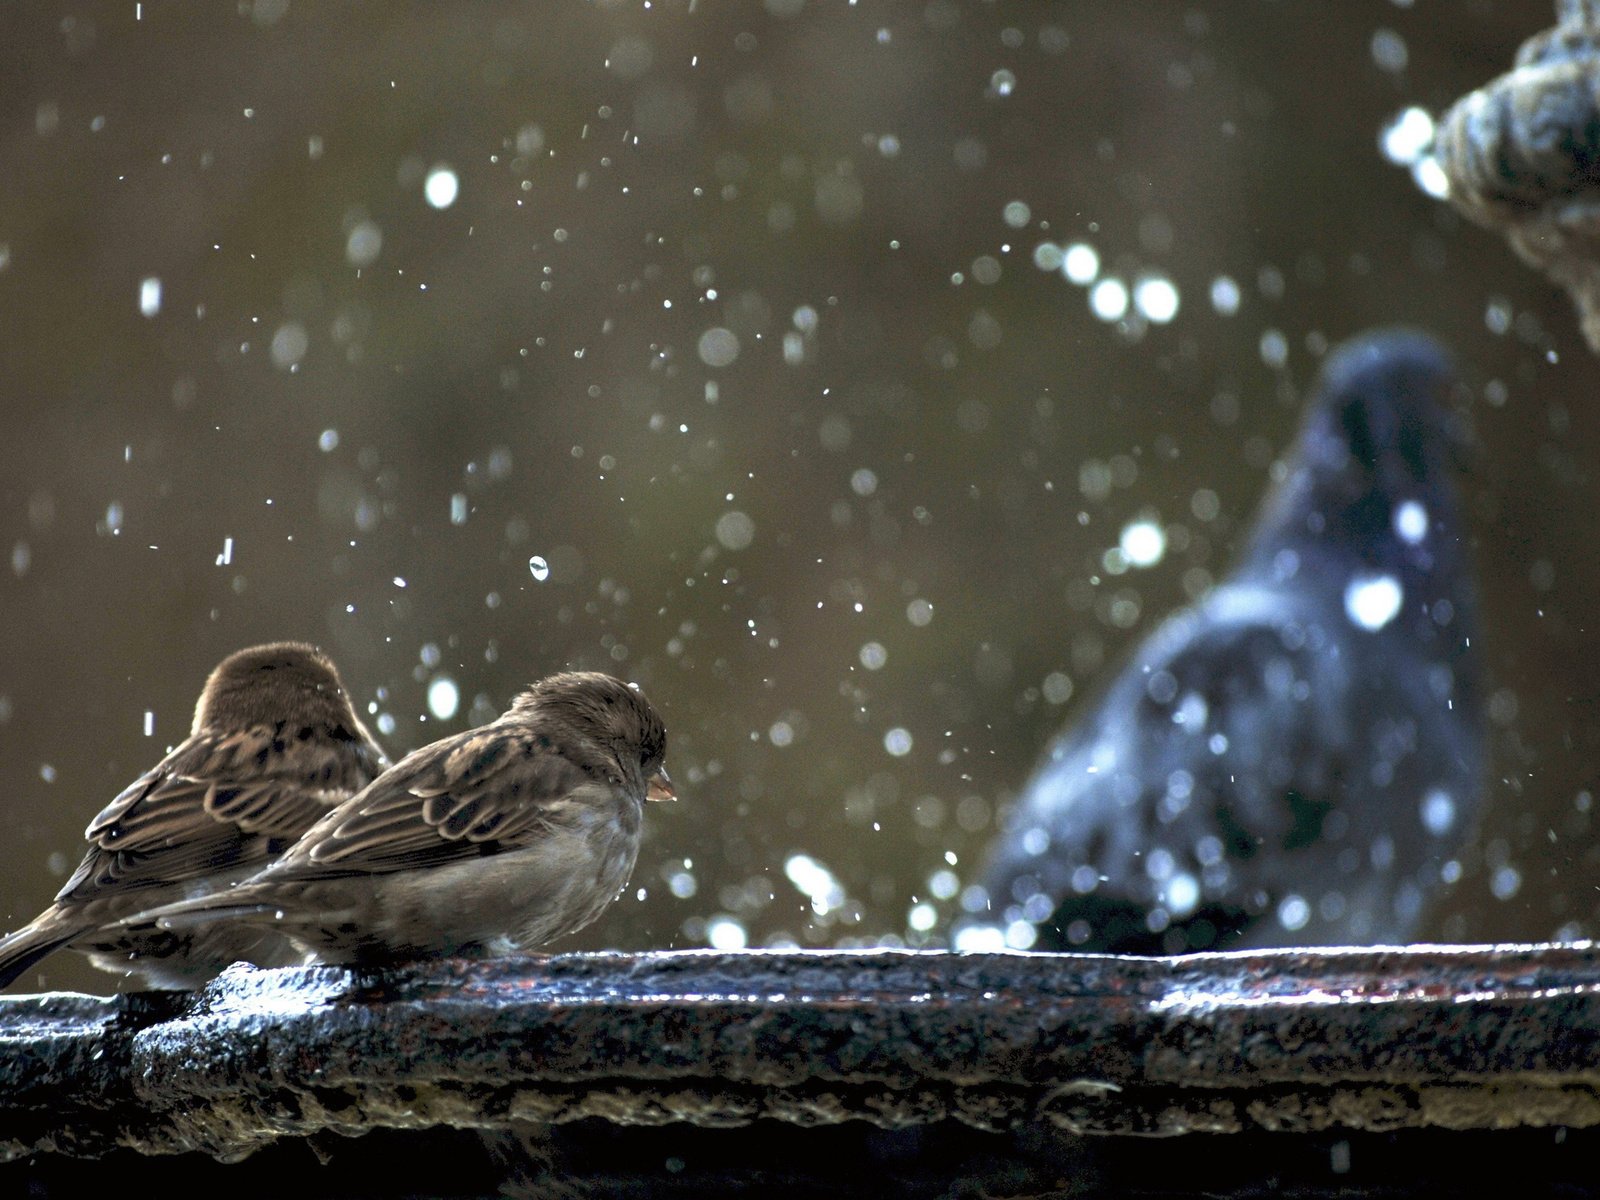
275 744
497 839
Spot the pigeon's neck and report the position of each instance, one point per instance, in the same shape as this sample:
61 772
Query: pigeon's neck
1372 547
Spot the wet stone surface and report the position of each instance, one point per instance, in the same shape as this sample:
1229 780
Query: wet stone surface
534 1051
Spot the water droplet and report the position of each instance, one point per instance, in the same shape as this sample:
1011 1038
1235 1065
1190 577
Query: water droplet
1225 295
725 933
1438 812
444 697
1373 601
539 568
441 187
1407 137
1293 913
1411 522
1143 543
735 530
1080 264
1108 299
1156 297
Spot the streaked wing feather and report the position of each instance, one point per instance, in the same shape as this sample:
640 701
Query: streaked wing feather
489 786
205 807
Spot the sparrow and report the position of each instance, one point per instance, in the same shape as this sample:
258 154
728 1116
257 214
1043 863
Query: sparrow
498 839
274 745
1294 759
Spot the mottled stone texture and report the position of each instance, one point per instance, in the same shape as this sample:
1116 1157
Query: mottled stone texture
1464 1038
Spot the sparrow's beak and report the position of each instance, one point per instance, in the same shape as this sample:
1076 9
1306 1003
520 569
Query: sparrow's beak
660 787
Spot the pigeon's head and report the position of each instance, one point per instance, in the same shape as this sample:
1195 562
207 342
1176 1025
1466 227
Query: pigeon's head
1372 468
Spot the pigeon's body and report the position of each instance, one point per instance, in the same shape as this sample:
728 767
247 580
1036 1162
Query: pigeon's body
1293 759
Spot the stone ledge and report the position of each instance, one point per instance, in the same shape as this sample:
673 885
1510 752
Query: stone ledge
1294 1040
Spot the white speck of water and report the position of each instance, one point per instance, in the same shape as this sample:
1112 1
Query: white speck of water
1047 256
864 482
328 441
781 734
1003 82
683 885
980 939
1293 912
1505 882
724 933
363 243
289 345
538 568
1108 299
441 187
1389 51
922 917
1411 522
444 697
458 508
735 530
718 347
400 581
1274 348
1438 812
1017 214
944 884
1143 543
1057 687
1021 935
898 741
1407 137
225 559
1080 263
1225 295
920 612
1181 894
1428 174
149 723
873 656
150 295
1156 297
1192 712
814 881
1373 601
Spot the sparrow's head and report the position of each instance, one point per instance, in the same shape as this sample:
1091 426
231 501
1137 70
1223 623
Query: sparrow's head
614 714
289 682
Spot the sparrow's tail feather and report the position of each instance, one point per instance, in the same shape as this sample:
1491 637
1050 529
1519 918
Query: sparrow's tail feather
35 941
202 910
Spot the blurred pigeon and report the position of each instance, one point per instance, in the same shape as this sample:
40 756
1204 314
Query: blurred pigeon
1292 760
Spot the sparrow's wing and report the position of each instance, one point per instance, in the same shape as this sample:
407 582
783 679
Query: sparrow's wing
462 798
217 802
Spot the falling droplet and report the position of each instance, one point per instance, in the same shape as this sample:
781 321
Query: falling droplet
540 568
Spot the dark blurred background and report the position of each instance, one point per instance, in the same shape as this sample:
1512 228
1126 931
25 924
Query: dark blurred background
725 347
